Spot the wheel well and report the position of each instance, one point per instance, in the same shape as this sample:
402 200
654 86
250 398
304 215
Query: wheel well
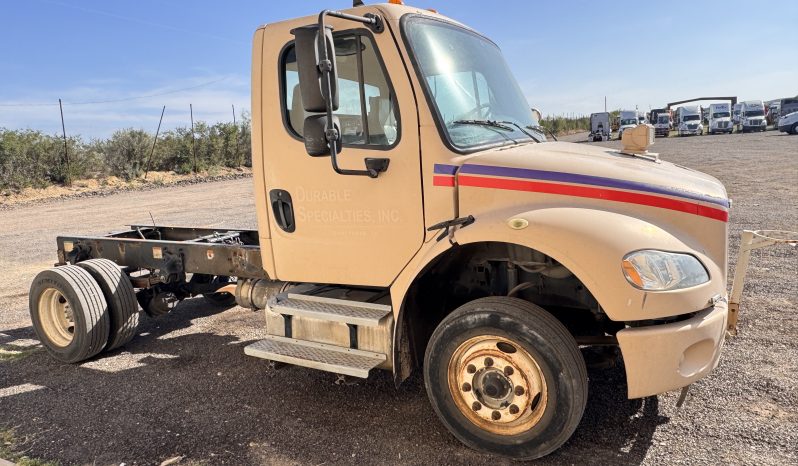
477 270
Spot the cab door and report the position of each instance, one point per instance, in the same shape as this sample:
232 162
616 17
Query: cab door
327 227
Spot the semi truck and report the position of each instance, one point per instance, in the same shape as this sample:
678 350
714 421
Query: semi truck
663 124
720 119
736 113
688 119
628 120
412 216
752 116
600 129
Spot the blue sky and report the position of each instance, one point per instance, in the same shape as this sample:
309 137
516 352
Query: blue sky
566 55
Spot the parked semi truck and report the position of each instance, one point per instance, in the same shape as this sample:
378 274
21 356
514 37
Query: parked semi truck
600 129
752 116
628 120
720 119
688 119
412 216
663 124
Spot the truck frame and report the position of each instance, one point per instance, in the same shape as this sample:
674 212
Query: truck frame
412 216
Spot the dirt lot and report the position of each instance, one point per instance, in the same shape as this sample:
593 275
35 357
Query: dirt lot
184 388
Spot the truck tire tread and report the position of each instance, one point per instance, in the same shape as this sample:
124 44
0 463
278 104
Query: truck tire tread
121 297
89 309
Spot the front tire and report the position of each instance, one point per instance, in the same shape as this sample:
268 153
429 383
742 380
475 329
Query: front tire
506 377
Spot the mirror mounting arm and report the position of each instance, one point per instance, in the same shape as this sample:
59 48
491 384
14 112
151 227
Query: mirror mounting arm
373 166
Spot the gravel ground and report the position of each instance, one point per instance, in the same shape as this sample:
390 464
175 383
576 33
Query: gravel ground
184 388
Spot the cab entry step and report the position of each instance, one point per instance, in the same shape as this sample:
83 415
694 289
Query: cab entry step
330 358
335 310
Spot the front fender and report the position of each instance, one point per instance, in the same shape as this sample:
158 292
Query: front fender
591 243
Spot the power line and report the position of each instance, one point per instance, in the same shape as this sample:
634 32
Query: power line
109 101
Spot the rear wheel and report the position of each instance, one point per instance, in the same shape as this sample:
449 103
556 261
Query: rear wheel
506 377
69 313
121 297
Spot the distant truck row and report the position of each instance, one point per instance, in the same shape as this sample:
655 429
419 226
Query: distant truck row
748 116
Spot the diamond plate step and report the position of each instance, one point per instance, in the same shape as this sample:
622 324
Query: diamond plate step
335 310
339 360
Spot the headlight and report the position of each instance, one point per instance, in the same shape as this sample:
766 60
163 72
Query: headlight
659 270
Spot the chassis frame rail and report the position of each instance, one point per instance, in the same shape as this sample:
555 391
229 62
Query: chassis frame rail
172 250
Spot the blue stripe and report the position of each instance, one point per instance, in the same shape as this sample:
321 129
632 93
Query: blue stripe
587 179
442 169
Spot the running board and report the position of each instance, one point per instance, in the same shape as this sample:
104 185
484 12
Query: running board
330 358
329 309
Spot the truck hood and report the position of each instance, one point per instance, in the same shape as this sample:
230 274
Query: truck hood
582 170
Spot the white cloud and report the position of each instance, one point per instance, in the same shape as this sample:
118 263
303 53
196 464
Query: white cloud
211 102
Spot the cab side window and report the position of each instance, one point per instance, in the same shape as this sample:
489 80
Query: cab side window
367 108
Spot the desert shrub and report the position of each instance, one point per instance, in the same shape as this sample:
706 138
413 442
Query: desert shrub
125 153
564 125
32 158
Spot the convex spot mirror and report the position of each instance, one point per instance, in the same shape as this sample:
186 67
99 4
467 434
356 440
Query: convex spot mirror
315 135
308 46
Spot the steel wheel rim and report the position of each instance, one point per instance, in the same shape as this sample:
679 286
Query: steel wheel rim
497 385
56 317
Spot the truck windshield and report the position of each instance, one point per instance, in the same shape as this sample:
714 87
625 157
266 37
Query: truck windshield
754 113
469 84
663 119
629 121
721 115
691 118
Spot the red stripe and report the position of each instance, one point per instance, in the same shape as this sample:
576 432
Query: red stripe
442 180
594 193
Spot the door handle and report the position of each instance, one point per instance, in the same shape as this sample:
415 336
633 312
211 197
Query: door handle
283 209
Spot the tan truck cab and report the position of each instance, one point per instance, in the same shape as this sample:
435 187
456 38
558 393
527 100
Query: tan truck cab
412 215
494 254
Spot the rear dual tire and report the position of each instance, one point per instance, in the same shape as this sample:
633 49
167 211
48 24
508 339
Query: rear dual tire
77 311
69 313
524 412
122 305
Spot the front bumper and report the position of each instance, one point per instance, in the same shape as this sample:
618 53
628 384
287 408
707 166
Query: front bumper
785 128
660 358
693 132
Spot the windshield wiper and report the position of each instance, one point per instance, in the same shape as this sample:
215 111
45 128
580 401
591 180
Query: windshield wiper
491 123
501 124
542 129
521 128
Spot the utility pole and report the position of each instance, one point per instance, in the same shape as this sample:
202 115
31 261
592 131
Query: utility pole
605 103
147 170
66 152
193 143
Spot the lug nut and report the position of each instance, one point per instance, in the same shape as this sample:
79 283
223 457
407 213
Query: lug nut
488 362
513 409
519 391
471 369
466 387
496 415
508 371
476 406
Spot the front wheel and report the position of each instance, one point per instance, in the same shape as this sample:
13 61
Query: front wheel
506 377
